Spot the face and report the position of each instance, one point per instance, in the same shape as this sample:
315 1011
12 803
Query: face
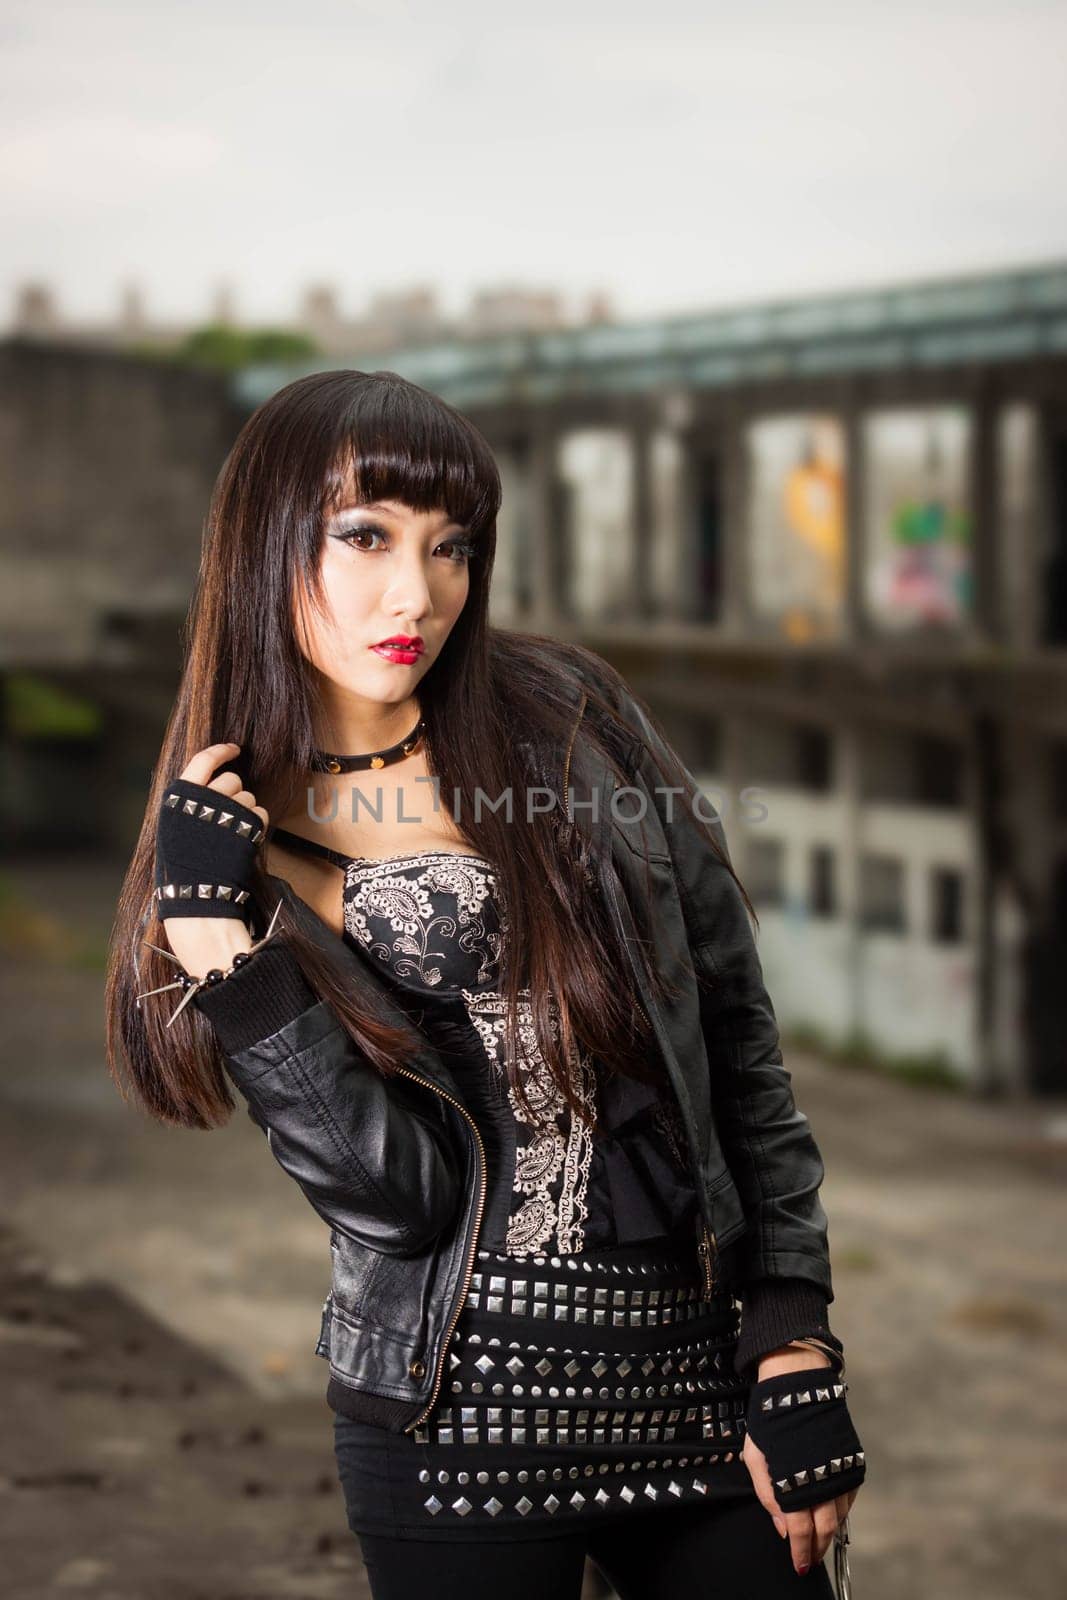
387 572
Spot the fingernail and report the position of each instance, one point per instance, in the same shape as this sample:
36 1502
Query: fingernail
805 1568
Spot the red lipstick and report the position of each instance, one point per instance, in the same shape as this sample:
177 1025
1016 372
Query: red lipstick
400 648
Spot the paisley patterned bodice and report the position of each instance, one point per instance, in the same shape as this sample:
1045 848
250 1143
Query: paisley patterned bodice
437 921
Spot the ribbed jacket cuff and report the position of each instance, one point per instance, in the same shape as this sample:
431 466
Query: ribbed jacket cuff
775 1311
256 1000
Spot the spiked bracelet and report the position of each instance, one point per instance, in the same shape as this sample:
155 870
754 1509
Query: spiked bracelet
801 1423
191 985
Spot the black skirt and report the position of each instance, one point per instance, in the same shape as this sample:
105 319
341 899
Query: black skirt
576 1389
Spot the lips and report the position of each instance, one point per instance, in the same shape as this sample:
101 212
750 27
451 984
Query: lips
401 655
400 642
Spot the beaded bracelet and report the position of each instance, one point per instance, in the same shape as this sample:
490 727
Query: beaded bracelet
191 985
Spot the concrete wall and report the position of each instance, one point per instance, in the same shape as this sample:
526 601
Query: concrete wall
107 464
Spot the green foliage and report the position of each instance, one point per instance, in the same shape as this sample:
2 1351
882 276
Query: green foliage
855 1258
227 349
931 1069
37 709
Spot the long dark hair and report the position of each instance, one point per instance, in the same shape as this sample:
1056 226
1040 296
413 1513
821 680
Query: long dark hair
246 680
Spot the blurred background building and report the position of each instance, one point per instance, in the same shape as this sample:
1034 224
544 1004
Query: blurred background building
826 539
391 318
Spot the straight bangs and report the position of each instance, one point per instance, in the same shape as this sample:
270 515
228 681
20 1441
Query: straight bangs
396 441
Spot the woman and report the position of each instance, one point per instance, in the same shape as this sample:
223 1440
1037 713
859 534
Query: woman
445 907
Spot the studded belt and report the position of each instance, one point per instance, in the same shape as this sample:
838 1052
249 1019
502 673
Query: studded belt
592 1293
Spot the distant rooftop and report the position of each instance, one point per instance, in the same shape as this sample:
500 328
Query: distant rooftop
981 317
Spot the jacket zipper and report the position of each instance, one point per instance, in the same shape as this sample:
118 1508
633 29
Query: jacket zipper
705 1250
473 1244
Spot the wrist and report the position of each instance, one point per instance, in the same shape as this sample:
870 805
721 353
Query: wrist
201 943
793 1357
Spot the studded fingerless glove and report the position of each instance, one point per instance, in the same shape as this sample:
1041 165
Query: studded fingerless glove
205 853
801 1423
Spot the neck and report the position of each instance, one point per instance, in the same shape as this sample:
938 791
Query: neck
352 727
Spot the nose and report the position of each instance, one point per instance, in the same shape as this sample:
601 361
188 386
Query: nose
408 595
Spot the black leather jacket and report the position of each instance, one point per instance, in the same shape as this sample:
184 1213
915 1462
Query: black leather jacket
397 1167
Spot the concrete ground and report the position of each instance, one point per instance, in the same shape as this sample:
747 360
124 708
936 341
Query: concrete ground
146 1455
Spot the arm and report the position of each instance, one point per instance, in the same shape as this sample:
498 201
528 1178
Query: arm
372 1155
767 1141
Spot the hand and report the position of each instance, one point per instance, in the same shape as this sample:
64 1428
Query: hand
810 1530
215 851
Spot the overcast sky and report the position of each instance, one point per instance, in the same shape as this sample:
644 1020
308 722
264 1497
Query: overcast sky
676 154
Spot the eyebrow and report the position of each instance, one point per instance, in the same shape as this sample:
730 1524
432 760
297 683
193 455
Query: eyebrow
384 505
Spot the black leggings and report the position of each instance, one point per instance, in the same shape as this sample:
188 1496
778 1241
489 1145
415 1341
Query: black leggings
726 1550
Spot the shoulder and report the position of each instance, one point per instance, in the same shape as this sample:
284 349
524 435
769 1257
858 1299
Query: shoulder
571 677
586 672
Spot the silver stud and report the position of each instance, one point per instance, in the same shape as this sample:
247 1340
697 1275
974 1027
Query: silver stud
205 890
240 899
185 891
462 1505
225 891
225 818
206 813
244 829
189 808
493 1506
523 1506
433 1505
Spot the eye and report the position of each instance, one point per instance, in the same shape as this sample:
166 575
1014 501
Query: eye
350 535
459 551
462 550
